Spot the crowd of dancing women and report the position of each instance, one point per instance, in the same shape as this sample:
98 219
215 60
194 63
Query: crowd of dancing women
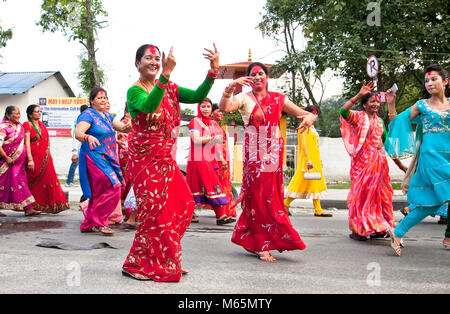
129 163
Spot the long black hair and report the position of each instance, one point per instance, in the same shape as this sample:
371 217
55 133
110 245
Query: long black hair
442 73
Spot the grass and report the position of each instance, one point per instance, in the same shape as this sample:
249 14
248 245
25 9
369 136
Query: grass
337 186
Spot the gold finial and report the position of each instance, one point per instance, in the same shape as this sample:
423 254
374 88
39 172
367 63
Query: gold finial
250 55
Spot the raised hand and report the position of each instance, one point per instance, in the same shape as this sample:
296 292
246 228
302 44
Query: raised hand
366 89
213 57
169 63
390 96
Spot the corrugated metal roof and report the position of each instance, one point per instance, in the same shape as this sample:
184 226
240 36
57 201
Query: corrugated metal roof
12 83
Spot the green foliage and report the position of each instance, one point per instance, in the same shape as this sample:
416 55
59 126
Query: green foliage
328 123
5 35
79 20
230 117
410 36
187 111
86 78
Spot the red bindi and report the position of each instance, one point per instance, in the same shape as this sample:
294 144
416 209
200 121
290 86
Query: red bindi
152 50
256 69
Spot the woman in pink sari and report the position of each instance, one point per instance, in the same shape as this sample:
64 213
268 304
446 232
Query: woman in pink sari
370 198
14 192
264 224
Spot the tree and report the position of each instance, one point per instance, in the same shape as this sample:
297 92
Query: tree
282 17
5 35
86 75
404 35
78 20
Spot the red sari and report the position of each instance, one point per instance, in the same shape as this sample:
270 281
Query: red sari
264 224
202 170
164 201
43 181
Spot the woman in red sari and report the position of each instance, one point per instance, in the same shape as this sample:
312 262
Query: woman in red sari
264 224
164 201
42 179
202 171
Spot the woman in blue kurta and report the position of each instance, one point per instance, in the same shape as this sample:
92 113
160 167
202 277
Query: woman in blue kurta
429 188
100 176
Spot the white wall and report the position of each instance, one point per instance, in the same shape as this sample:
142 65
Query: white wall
336 162
46 89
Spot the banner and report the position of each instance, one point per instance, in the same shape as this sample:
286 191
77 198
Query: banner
59 114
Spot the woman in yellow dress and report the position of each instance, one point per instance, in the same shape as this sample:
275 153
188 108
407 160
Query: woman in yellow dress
309 160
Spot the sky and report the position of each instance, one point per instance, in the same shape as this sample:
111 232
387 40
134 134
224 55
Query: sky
187 25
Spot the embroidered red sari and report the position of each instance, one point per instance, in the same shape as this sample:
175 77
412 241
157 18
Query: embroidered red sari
43 181
164 201
264 224
370 198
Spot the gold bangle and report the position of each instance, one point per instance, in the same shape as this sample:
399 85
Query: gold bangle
227 95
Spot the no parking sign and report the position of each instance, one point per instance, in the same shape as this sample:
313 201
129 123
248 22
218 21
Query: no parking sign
373 66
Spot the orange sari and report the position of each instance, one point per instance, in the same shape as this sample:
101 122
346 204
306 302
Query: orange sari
370 198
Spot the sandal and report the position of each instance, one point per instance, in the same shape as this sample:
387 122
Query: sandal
397 247
184 271
93 229
446 243
323 215
135 276
194 218
32 213
266 257
357 237
106 231
405 211
225 220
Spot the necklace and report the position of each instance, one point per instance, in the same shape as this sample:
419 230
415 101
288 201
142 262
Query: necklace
144 86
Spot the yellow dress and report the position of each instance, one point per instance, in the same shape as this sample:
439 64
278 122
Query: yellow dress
308 150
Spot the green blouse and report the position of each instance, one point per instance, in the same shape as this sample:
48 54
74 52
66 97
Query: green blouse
138 100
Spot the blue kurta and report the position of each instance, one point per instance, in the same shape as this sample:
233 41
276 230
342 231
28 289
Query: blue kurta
105 155
430 184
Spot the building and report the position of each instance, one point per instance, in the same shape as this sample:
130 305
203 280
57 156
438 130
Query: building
22 89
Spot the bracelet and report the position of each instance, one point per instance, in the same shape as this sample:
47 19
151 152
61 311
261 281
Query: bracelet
165 77
392 114
161 84
353 101
227 95
86 138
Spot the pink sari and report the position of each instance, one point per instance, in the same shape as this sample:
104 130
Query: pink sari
370 198
14 191
264 224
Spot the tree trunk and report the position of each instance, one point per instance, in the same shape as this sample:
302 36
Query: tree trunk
91 43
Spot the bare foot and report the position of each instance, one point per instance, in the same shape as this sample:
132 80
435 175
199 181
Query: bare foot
446 242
